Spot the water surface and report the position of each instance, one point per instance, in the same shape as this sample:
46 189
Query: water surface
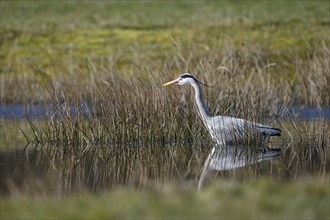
36 111
63 169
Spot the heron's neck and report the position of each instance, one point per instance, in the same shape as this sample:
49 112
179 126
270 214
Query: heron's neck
203 111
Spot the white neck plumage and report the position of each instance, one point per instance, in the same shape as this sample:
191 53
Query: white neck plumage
203 111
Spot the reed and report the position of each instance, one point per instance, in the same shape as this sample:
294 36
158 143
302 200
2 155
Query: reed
109 106
100 80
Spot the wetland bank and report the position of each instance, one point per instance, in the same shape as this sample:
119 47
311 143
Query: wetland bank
90 125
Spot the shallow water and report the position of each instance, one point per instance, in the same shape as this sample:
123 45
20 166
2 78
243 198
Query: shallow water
18 111
62 169
58 169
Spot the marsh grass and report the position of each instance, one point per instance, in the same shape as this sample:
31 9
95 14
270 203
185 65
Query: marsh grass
111 107
129 111
100 79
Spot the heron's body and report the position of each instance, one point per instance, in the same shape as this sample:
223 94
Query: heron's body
224 129
229 130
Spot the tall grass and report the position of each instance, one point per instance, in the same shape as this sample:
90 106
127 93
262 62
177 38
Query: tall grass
109 106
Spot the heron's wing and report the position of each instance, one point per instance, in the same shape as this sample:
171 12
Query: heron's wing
234 130
268 130
228 129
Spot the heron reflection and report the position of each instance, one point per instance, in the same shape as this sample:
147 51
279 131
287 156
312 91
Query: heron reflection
230 157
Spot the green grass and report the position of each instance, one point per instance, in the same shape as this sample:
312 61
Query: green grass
151 14
257 199
156 39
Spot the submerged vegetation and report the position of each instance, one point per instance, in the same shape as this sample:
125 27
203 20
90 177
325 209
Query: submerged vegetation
96 70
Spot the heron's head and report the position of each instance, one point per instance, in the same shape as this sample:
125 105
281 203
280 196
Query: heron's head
184 79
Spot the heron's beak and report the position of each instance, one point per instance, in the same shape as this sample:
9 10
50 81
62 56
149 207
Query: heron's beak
172 82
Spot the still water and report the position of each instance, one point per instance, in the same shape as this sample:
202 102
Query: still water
62 169
18 111
59 169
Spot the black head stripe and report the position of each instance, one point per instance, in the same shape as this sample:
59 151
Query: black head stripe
187 75
183 76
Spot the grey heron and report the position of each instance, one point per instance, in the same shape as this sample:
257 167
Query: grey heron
225 130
